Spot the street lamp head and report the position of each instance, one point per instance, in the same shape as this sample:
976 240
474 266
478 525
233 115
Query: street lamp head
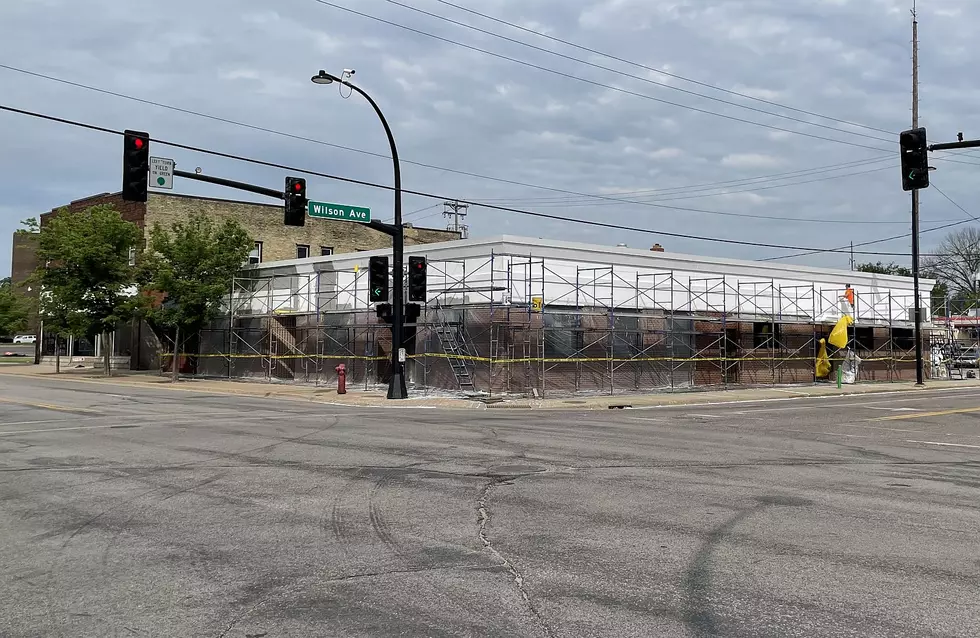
323 78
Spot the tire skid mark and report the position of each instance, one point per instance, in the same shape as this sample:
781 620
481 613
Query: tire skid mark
376 515
121 527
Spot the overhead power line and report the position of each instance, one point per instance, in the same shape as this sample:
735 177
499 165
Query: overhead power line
950 200
594 82
660 71
885 239
571 195
271 131
692 188
645 67
579 202
575 194
360 182
631 75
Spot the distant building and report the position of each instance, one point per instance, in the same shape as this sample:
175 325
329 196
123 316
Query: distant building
264 222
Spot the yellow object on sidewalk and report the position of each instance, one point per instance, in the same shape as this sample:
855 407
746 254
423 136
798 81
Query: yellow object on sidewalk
823 361
838 336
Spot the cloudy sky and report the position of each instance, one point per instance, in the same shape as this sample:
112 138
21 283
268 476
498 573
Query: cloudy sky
607 128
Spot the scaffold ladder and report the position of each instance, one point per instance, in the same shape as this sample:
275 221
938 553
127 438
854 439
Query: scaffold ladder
454 347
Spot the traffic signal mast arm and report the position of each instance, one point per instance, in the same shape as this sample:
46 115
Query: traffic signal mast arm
953 145
242 186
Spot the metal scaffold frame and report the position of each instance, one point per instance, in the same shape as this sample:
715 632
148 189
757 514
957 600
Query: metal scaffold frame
523 324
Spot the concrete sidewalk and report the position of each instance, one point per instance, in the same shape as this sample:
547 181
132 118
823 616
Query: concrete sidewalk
738 395
153 379
376 398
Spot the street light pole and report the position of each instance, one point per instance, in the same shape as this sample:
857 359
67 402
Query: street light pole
396 385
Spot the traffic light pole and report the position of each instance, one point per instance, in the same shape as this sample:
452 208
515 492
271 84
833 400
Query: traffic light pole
396 385
915 288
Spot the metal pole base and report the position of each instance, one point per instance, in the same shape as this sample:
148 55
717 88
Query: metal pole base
396 387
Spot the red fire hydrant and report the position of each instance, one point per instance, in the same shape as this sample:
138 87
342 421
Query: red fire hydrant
341 379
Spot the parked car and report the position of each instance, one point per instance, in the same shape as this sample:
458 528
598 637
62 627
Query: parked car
25 339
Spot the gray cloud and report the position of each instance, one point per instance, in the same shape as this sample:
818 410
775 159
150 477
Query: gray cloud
451 107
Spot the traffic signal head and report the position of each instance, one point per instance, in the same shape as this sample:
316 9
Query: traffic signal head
417 276
378 279
136 165
295 202
915 159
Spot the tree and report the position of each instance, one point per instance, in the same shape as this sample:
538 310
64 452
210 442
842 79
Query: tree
61 321
14 309
191 266
956 264
30 226
86 273
885 269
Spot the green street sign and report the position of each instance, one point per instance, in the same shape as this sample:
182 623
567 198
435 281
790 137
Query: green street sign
339 212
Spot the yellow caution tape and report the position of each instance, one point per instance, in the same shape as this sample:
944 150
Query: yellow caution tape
505 361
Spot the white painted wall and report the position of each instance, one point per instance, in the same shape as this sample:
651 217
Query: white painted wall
514 270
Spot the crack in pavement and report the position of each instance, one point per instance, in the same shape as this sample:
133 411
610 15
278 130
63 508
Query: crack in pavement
484 520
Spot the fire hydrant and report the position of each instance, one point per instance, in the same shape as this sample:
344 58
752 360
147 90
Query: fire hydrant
341 379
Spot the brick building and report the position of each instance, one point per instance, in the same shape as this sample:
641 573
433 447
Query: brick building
273 241
516 315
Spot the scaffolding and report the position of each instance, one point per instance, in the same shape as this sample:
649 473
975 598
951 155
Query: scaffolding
520 324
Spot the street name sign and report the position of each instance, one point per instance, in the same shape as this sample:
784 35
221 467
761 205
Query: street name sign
339 212
161 172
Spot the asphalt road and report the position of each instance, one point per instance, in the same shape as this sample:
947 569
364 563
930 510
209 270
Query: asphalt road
159 512
26 349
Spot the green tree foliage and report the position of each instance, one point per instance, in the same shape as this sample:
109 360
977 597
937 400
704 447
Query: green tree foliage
939 291
191 266
30 225
14 309
885 269
87 283
955 263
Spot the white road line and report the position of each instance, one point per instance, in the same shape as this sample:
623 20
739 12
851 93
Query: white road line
888 409
878 427
174 421
850 405
79 427
86 418
850 436
707 416
977 447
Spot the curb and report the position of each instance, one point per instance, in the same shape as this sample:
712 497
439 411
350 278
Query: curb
633 402
260 391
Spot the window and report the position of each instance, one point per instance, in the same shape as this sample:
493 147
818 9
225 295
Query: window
255 257
765 335
132 256
326 250
903 338
864 338
563 338
302 251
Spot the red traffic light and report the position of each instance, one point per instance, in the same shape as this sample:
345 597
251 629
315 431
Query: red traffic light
138 143
297 186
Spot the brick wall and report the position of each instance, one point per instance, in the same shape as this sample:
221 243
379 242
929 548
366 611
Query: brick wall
131 211
264 223
23 262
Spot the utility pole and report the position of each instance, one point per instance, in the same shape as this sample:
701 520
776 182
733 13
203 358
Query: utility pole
915 205
852 255
456 211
